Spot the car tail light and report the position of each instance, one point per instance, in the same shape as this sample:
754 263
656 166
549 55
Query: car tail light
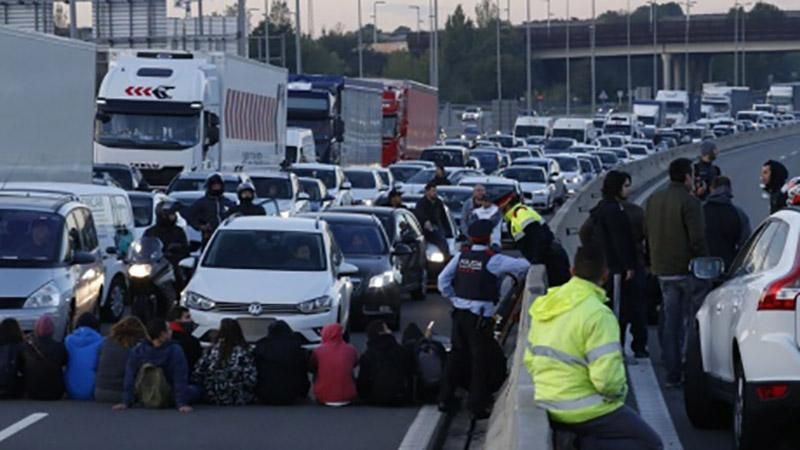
772 391
782 293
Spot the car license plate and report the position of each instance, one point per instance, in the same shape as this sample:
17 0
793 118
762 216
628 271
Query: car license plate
255 329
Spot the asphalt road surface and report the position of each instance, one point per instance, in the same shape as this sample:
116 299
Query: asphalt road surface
743 167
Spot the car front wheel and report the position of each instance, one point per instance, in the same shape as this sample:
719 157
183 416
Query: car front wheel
114 306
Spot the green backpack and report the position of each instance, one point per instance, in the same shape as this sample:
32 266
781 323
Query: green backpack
152 388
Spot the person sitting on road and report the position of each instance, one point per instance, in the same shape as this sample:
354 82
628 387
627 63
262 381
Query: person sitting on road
227 370
282 366
11 345
114 354
83 349
385 369
575 359
246 193
182 326
333 363
43 362
154 359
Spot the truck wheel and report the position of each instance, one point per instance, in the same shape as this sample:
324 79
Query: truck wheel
703 410
746 432
114 306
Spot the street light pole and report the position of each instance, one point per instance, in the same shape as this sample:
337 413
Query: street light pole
630 81
360 43
654 15
419 21
744 39
687 84
593 59
528 75
375 20
297 50
266 32
736 44
431 60
569 93
549 15
499 55
436 43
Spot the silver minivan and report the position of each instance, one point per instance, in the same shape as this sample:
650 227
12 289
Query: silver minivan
50 259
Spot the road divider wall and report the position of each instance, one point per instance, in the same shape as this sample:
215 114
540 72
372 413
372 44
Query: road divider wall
516 423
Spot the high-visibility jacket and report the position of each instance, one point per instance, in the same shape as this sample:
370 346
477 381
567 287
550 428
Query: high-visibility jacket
574 354
520 216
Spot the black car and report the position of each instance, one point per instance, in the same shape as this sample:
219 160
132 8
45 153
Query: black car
401 226
126 177
378 286
490 160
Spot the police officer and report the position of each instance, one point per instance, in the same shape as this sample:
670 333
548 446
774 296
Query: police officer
207 212
246 193
533 238
172 237
471 282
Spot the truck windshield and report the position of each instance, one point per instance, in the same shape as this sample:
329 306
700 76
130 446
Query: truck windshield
148 131
578 135
523 131
389 126
675 107
647 120
778 100
30 238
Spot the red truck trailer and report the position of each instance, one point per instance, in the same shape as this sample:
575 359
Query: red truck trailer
410 118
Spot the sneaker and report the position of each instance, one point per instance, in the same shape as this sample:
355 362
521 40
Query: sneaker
642 354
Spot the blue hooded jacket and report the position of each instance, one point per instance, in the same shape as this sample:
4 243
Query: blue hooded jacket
170 358
83 349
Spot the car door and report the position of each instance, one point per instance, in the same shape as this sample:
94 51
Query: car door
408 231
87 278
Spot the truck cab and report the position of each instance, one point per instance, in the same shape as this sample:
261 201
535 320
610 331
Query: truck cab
582 130
621 124
676 106
315 109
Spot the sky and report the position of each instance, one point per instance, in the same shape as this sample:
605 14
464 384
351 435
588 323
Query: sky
330 14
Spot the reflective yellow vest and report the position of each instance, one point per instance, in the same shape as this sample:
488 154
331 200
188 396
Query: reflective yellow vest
574 354
520 216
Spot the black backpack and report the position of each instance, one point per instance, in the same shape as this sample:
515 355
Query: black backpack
389 383
429 359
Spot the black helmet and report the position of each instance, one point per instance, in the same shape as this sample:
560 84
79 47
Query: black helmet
164 209
246 186
215 177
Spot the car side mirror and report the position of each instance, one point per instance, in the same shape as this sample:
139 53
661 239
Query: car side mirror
346 269
401 249
328 198
188 263
81 257
111 250
212 129
707 268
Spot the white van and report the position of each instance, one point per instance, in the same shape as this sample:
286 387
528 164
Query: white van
300 146
582 130
111 211
526 126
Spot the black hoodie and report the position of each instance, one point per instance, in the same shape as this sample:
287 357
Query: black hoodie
777 178
385 372
282 365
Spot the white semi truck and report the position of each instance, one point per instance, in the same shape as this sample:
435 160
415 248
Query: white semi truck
165 112
721 101
676 107
47 117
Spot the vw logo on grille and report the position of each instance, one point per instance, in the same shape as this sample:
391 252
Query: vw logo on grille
255 309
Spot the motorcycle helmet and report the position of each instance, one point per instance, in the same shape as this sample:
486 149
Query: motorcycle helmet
215 178
246 186
164 211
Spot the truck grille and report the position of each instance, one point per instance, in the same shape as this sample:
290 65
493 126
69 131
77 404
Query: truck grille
160 177
266 308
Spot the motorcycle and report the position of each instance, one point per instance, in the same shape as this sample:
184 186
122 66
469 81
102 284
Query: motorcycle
152 279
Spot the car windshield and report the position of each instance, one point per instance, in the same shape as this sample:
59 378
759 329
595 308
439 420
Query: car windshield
505 141
493 190
608 158
637 150
290 251
356 239
422 177
142 210
360 180
277 188
488 160
199 184
148 131
577 134
586 166
384 177
558 144
529 175
311 187
123 177
517 154
454 199
403 173
328 177
448 158
622 154
29 237
523 131
568 164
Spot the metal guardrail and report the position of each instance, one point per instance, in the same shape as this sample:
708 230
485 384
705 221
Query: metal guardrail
516 423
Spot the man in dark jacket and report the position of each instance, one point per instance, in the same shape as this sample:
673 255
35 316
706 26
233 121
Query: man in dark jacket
727 226
165 354
440 177
773 177
43 361
172 237
207 212
246 193
282 365
634 308
431 214
676 233
182 326
385 369
704 170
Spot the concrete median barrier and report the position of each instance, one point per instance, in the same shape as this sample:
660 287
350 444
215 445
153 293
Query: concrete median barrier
516 423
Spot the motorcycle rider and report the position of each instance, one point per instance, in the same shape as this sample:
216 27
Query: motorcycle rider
172 237
207 212
246 193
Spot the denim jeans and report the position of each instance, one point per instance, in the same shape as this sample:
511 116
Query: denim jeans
622 429
682 297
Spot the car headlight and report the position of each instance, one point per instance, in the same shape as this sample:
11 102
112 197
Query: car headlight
46 296
541 192
316 305
140 270
576 179
433 254
381 280
194 300
367 202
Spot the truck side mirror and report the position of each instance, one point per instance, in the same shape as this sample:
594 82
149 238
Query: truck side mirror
212 129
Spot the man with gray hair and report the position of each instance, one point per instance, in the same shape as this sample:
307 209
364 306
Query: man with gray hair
478 195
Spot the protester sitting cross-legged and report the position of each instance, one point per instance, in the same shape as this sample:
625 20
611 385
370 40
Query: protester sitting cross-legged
11 340
227 371
114 354
182 326
156 374
83 347
282 366
332 364
386 368
43 361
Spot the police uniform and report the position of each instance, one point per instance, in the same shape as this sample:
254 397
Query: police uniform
471 282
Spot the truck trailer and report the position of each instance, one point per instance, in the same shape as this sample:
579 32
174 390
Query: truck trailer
725 101
165 112
345 115
410 117
48 119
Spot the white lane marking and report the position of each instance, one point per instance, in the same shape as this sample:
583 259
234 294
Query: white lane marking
794 153
782 157
651 403
422 429
21 425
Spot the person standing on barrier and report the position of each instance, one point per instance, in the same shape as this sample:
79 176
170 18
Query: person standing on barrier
471 282
705 171
675 230
575 360
534 239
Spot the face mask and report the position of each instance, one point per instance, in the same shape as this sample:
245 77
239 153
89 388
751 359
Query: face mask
188 326
246 199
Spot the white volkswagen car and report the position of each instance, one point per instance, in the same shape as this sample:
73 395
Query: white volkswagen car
744 348
257 270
